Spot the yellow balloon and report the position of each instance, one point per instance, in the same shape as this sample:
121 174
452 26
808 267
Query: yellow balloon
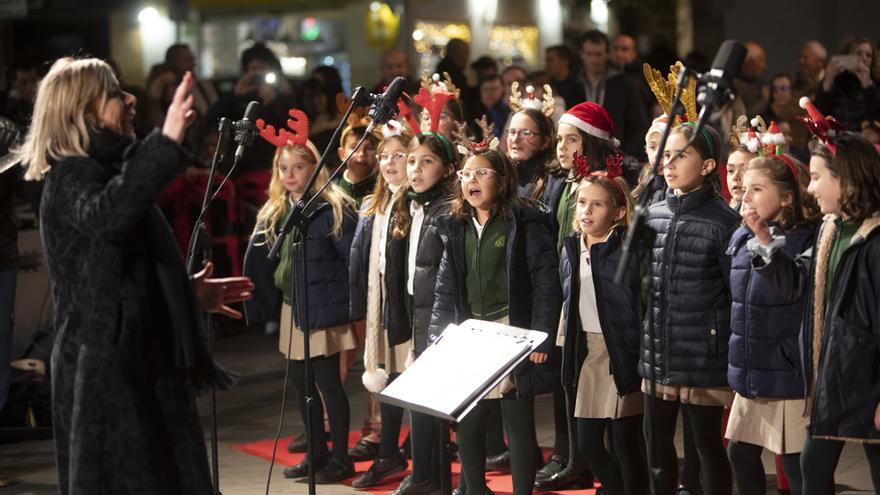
382 27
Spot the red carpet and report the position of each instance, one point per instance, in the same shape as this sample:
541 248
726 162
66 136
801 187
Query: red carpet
500 483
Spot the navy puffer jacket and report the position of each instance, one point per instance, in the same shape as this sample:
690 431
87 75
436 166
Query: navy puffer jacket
328 281
764 359
691 307
620 311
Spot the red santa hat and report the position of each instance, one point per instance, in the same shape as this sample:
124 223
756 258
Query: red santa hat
592 119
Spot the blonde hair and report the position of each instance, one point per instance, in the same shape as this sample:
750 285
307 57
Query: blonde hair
621 197
68 101
270 215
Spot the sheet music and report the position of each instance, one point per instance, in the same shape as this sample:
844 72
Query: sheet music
462 366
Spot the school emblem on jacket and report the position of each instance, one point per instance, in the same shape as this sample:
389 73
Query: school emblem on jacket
500 242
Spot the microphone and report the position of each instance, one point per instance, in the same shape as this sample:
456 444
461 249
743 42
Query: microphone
718 87
385 106
246 128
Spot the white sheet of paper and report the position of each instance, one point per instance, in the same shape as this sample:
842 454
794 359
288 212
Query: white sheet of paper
464 360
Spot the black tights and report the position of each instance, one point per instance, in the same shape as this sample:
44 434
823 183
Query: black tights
745 459
325 370
819 461
660 417
625 471
425 456
494 424
392 418
519 424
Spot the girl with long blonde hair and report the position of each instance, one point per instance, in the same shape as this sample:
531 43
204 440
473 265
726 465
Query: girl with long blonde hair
332 223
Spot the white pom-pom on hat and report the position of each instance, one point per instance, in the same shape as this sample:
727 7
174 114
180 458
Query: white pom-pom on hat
803 102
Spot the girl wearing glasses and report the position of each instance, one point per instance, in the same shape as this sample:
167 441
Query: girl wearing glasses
413 254
369 300
530 140
499 264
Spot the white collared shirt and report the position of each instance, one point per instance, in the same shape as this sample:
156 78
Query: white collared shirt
417 212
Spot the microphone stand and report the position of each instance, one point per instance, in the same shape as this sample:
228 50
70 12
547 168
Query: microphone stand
300 218
201 237
638 231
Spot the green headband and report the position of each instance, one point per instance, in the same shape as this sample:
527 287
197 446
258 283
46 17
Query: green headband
444 142
706 137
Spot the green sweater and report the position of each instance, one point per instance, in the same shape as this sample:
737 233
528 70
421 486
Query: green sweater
487 268
565 212
844 235
360 190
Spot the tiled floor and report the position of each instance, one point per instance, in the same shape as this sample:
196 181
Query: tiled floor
250 412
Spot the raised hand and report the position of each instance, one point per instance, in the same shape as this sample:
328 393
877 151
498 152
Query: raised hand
758 226
215 294
180 113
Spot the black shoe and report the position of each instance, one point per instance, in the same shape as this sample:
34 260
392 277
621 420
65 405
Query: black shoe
302 469
459 491
363 450
556 464
333 471
380 470
409 487
566 480
298 444
684 490
601 490
500 462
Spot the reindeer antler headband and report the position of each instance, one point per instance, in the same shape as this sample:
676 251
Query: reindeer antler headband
297 132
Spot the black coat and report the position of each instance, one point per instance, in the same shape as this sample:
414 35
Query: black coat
624 102
846 390
764 359
359 264
620 312
534 292
129 341
691 307
400 327
328 282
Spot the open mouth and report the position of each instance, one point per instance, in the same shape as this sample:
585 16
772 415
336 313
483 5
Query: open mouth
474 192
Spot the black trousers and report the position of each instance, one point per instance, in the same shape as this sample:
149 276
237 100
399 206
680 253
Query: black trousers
519 425
325 370
660 417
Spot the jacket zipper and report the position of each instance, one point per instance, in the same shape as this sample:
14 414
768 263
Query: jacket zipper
665 283
746 333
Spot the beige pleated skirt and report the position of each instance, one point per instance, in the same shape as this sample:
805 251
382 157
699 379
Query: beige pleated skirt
698 396
778 425
597 396
325 342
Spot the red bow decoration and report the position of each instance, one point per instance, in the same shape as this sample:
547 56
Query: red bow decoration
433 103
298 124
613 166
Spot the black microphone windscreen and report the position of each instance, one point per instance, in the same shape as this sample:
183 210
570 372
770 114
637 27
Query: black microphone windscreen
730 58
252 110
